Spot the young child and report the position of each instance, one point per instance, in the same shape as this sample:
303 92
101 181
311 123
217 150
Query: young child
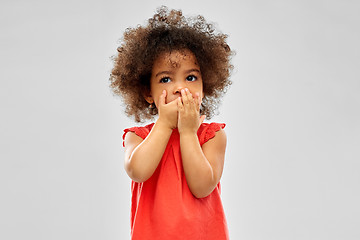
177 68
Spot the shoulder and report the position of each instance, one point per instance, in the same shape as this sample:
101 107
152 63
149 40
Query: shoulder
214 149
217 140
212 130
136 134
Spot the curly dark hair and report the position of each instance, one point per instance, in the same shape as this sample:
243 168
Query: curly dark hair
167 31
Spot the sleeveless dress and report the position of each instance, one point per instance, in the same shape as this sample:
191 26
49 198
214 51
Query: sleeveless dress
163 207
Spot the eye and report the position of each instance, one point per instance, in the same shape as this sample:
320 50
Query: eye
165 80
191 78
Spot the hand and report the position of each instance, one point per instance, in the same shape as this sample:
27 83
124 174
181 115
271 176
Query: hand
189 109
168 113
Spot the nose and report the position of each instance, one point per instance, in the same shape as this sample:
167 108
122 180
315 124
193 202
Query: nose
177 88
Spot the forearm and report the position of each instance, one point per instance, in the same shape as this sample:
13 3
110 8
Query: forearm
146 156
198 171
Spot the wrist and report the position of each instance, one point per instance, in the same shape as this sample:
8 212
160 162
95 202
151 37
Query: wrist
164 124
188 132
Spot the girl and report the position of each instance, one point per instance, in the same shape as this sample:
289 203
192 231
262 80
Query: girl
177 68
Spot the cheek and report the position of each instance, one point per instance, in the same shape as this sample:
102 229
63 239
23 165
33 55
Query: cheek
156 98
199 89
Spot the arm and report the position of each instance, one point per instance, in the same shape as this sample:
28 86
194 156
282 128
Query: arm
203 166
143 156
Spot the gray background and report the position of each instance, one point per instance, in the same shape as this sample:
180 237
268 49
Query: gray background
292 114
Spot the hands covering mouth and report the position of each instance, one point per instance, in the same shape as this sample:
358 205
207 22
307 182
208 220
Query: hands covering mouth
182 112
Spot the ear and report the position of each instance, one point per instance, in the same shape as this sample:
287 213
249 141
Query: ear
148 97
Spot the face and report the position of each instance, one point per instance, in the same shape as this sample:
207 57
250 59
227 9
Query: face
173 72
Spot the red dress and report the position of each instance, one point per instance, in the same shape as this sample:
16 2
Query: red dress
163 208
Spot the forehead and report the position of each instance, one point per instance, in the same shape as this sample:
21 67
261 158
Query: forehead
175 59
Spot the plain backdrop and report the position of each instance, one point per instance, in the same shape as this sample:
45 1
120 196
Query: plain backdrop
293 112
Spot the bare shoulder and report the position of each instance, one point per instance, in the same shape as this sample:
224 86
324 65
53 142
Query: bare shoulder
218 141
214 151
132 140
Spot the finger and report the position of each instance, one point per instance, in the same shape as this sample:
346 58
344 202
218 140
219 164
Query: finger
189 95
173 102
188 99
162 98
192 101
179 103
184 97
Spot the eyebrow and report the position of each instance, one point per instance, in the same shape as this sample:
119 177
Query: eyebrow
192 70
163 72
170 72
